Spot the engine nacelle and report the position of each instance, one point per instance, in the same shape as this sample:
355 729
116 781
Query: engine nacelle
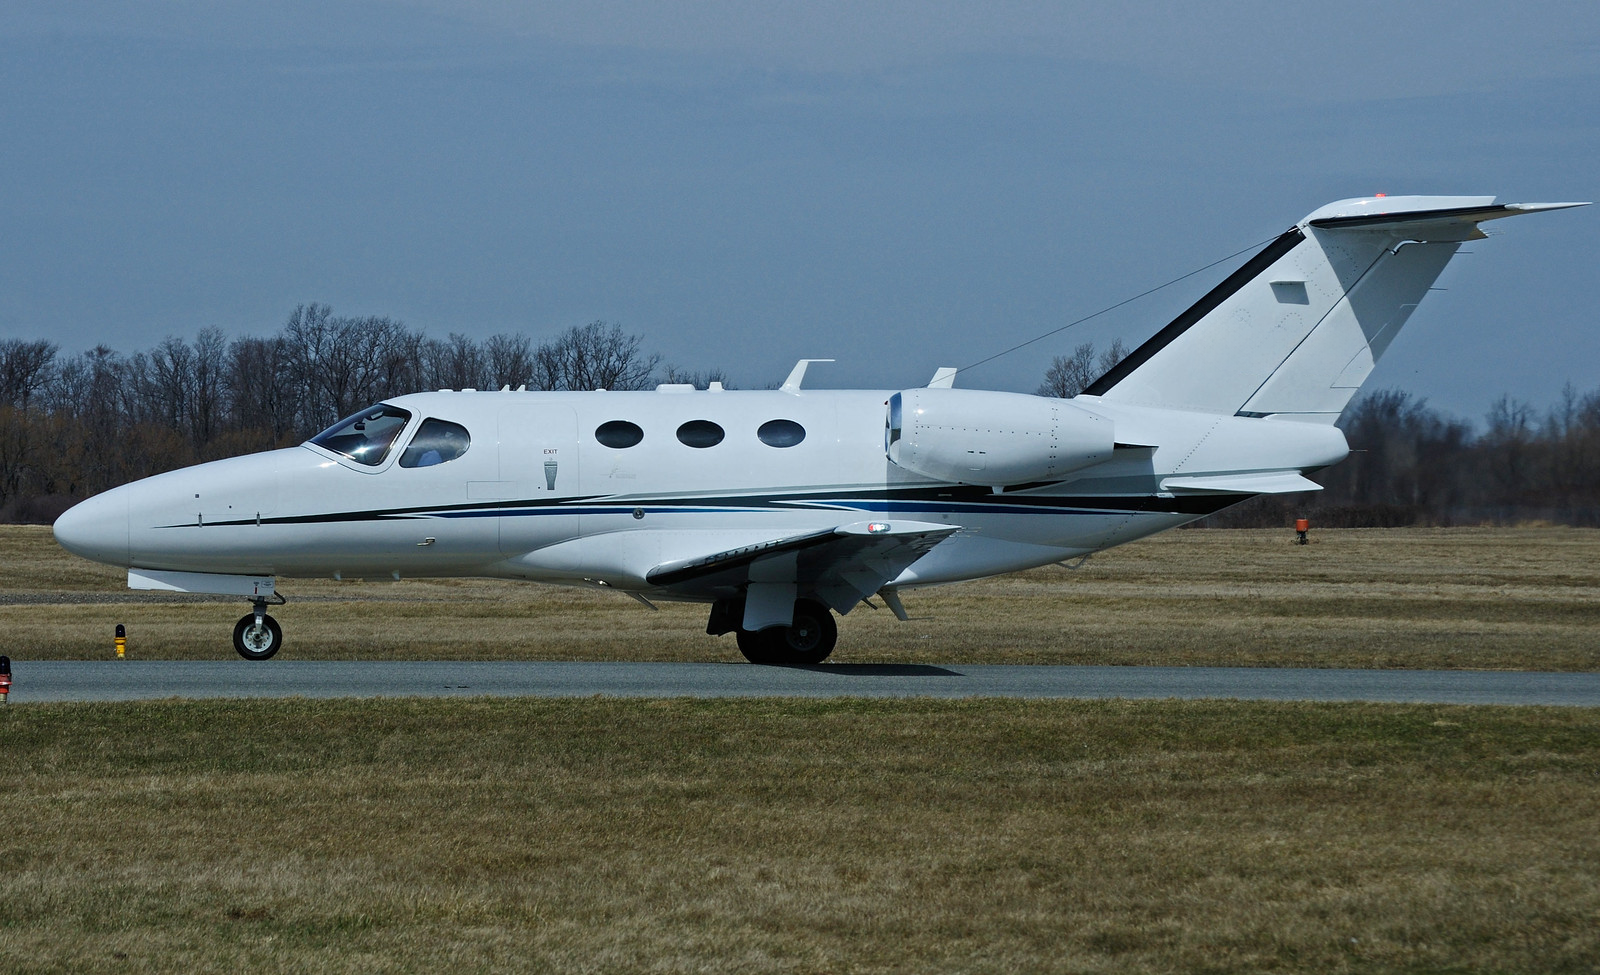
975 436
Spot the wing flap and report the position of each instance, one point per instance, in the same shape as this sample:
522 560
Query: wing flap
839 566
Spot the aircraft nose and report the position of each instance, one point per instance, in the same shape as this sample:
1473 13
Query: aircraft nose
96 528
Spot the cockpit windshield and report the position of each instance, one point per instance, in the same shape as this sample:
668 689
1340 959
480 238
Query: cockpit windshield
367 436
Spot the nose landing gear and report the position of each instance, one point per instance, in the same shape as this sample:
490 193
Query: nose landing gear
257 636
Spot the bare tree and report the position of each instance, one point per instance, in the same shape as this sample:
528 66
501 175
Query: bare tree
263 393
17 439
342 363
595 356
1110 357
164 377
698 378
206 389
1068 375
1510 447
1402 457
455 363
89 390
308 338
25 367
510 361
400 364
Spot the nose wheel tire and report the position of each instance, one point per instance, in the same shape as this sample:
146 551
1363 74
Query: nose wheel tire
257 642
808 641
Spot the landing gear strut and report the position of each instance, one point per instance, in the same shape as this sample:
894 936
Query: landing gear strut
257 636
808 641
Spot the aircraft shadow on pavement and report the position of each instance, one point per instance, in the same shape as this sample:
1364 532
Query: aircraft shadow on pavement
875 670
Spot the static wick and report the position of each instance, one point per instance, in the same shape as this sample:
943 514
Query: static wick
1301 526
121 641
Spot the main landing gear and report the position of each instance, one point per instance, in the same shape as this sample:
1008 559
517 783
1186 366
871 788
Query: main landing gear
808 640
258 636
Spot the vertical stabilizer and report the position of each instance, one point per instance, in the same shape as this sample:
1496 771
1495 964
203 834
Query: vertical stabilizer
1298 328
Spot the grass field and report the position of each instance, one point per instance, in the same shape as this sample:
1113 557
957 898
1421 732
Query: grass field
608 835
1523 598
797 836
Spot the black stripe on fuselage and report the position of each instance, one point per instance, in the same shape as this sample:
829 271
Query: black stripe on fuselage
1230 286
951 498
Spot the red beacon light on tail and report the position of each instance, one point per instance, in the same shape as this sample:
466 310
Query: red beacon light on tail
5 678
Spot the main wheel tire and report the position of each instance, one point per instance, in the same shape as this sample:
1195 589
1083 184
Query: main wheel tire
257 642
808 641
757 645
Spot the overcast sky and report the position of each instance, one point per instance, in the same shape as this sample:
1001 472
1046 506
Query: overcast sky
896 185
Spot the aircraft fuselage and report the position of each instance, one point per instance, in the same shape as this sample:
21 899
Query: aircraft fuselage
537 496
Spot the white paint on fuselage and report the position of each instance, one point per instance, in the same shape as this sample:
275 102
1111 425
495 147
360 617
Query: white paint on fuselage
616 513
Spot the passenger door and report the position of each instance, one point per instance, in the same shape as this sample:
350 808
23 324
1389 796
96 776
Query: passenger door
538 472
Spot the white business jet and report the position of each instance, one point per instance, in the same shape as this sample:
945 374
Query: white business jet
779 508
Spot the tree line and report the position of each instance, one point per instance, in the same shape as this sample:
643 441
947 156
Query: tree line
1413 465
71 426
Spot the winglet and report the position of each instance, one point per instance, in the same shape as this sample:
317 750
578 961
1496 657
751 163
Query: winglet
943 378
797 375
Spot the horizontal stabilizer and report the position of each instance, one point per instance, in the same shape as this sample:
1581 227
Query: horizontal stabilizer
1410 217
1267 482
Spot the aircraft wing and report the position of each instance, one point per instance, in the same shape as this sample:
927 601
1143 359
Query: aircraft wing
838 566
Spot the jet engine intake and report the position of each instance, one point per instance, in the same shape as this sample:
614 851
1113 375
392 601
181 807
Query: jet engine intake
975 436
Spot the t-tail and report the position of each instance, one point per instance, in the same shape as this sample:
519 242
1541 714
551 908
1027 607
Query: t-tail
1296 330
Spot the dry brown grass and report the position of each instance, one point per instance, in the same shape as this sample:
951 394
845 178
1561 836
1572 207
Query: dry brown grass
1524 598
752 836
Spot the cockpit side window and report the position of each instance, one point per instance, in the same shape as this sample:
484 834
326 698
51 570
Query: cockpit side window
367 436
437 441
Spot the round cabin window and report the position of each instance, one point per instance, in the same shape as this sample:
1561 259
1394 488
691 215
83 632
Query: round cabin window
700 433
618 433
781 433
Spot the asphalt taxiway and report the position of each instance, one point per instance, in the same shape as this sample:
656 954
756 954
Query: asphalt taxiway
128 680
